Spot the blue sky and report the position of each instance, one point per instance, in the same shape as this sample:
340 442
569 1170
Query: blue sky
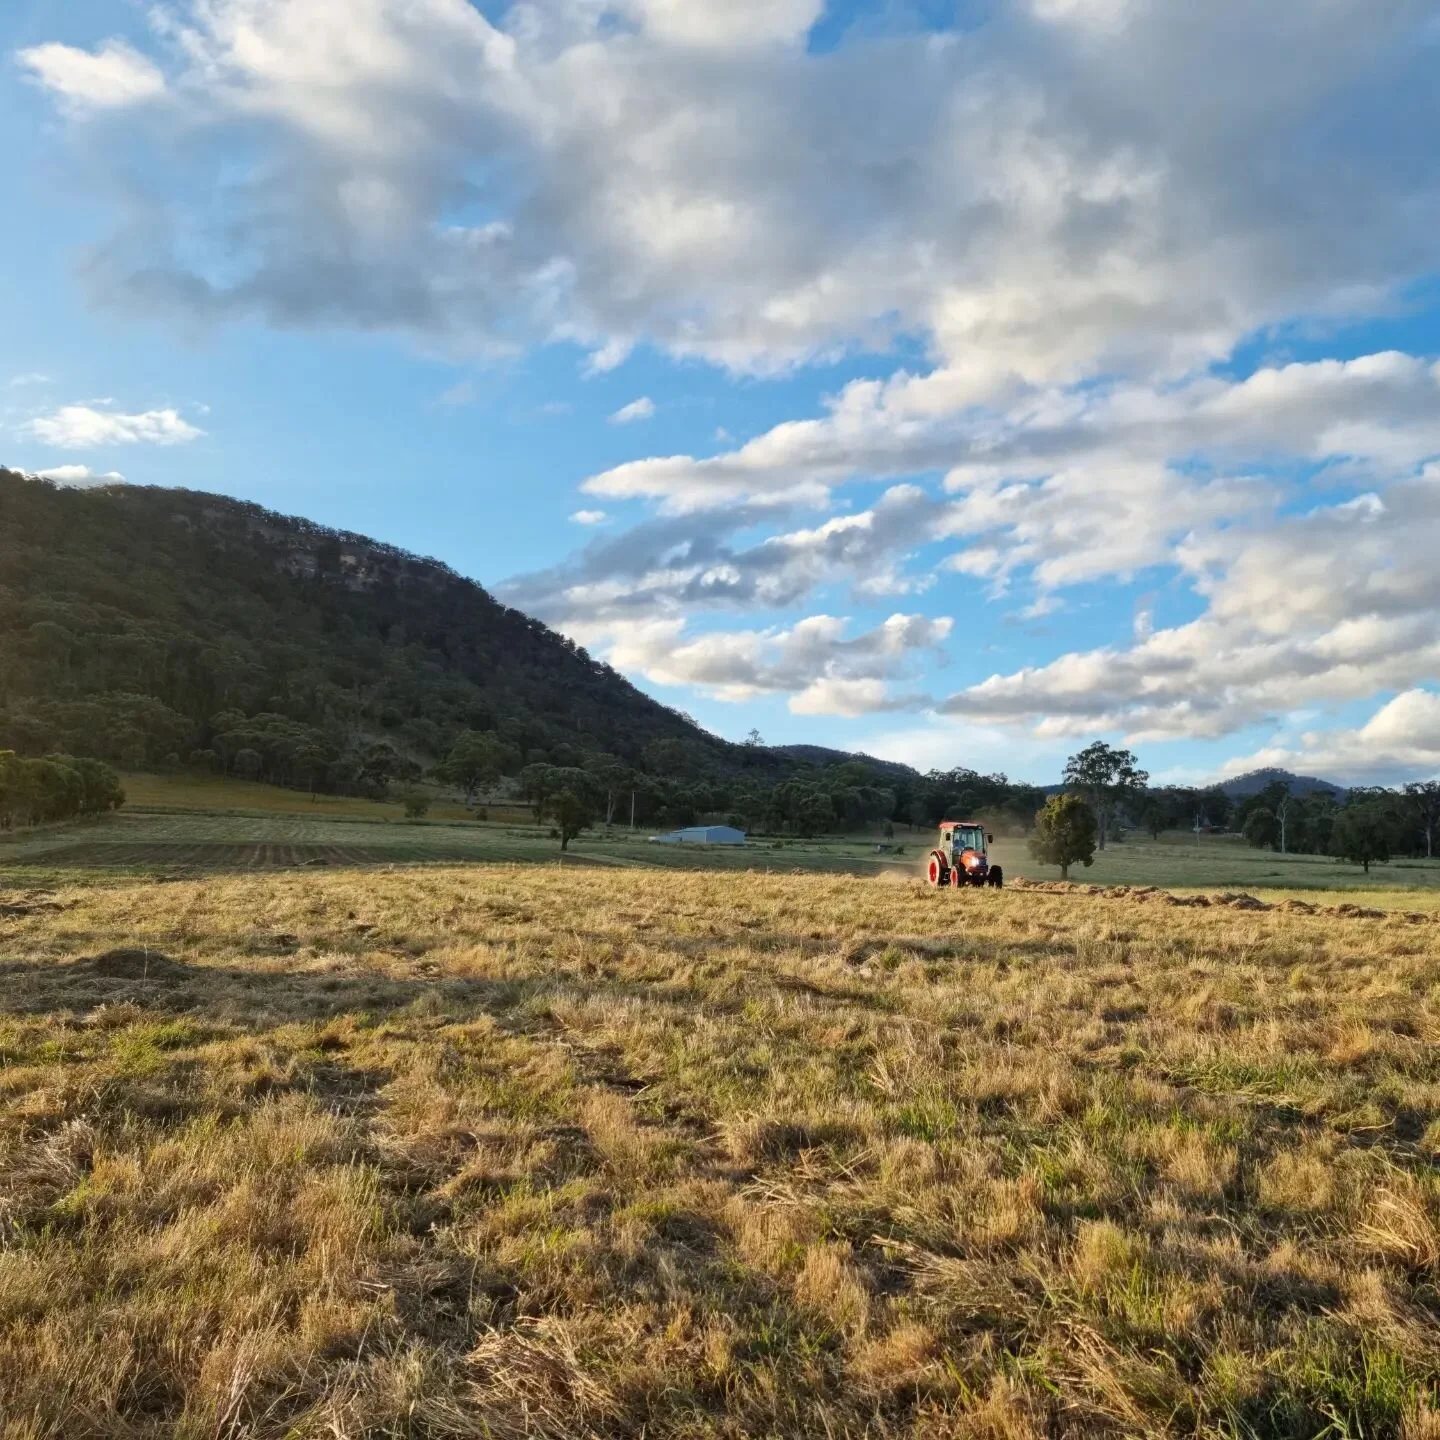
957 382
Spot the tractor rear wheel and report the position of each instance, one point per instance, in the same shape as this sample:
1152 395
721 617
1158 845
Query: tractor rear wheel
938 872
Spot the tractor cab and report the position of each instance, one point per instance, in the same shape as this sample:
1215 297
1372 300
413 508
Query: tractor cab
962 856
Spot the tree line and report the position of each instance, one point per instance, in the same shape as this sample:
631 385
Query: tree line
674 785
1106 788
1372 824
56 787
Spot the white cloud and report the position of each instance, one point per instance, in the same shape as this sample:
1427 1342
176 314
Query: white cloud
33 378
110 78
814 661
1075 208
679 566
1307 595
735 24
946 745
1376 410
589 517
1051 197
459 396
80 477
610 356
80 427
1401 741
641 409
1335 605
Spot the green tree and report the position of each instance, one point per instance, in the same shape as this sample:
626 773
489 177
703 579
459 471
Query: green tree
1277 799
100 785
613 778
1105 776
475 762
537 783
52 791
12 788
1362 835
1065 834
381 763
1157 811
1422 801
571 802
1262 828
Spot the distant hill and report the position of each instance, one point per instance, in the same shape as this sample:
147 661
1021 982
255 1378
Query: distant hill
136 623
1254 781
821 756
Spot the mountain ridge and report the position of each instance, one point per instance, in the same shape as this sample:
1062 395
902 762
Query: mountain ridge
131 617
1252 782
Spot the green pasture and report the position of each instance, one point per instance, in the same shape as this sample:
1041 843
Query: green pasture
208 838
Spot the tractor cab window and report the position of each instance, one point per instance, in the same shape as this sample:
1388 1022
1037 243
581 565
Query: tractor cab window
969 837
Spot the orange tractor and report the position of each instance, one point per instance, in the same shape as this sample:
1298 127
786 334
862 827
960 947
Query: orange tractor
961 857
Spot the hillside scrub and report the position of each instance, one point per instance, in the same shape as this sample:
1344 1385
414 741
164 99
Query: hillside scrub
532 1152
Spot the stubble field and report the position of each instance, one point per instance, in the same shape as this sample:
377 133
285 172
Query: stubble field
513 1152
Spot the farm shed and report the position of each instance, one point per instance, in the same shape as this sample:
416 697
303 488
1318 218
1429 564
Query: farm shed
702 835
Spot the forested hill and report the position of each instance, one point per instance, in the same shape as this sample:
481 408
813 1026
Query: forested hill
137 625
1253 782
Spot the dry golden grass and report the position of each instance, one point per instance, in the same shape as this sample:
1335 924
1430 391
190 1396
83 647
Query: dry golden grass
523 1153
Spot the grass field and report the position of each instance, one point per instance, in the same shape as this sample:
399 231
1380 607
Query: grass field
221 794
505 1151
286 832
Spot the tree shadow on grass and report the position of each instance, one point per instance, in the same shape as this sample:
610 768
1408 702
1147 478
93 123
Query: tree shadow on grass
168 987
265 998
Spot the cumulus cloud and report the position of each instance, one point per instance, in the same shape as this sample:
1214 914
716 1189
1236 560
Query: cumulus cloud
641 409
589 517
1235 486
815 661
1401 741
1050 197
107 79
81 427
1076 208
1061 486
737 24
80 477
687 564
1378 409
1337 604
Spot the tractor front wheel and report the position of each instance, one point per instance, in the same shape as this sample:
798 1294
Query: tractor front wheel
938 872
997 878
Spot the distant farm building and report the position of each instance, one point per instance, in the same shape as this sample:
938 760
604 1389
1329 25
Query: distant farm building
702 835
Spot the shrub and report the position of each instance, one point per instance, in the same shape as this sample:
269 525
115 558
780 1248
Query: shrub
1065 834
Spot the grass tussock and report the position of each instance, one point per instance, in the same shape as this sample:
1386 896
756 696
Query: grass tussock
529 1153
